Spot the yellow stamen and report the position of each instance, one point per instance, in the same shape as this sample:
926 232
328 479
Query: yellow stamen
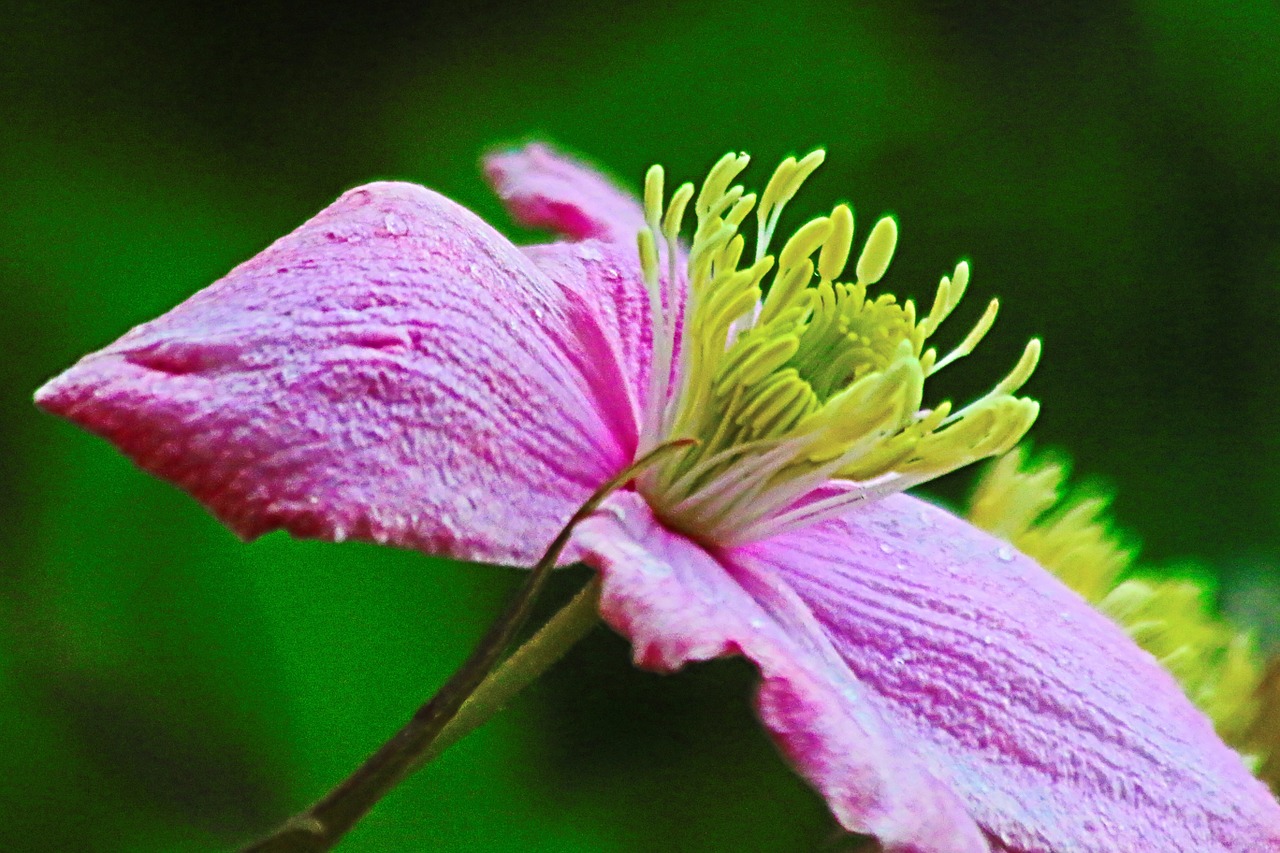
653 195
876 255
818 380
835 251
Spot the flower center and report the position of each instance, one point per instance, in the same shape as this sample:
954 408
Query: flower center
802 380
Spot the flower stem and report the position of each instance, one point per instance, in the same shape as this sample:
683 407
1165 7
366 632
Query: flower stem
573 622
445 718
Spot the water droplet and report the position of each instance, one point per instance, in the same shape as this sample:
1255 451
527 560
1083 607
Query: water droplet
395 225
886 548
1005 553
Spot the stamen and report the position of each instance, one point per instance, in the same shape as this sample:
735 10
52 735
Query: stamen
653 180
671 236
878 252
835 251
975 336
804 242
722 174
675 213
1022 370
950 291
787 288
782 187
809 383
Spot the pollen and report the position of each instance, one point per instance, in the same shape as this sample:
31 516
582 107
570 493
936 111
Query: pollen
1026 503
790 373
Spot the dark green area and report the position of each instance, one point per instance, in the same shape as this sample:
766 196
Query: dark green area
1113 169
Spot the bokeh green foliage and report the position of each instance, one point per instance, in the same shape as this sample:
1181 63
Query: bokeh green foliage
1112 168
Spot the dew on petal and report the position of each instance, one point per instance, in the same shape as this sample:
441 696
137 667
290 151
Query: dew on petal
395 225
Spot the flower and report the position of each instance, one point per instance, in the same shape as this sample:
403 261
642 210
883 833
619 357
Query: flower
397 371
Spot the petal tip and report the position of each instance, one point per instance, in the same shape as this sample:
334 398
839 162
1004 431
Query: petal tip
545 188
64 394
47 396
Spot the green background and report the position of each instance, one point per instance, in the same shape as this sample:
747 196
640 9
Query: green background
1112 168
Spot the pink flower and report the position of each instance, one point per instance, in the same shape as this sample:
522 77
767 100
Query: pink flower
395 370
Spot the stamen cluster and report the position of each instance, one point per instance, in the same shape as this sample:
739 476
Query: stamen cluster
789 384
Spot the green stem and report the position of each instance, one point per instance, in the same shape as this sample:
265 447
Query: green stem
320 827
573 622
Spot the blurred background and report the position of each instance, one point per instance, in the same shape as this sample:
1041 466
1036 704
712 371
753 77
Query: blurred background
1112 168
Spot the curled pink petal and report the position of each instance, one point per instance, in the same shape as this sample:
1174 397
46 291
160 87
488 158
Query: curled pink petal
393 370
543 188
927 679
606 279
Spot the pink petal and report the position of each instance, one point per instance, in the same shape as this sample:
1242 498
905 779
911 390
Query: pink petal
545 189
393 370
606 278
899 644
678 603
1055 729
